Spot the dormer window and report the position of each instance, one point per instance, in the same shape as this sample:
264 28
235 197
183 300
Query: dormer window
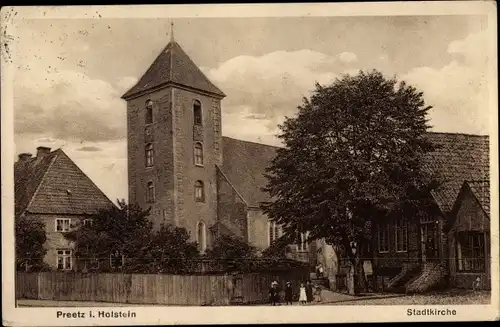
149 112
197 114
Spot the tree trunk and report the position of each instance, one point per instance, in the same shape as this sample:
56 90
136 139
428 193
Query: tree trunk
356 279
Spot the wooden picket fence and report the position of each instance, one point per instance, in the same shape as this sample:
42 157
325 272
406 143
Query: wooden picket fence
197 290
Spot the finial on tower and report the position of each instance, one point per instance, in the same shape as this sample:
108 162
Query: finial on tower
171 31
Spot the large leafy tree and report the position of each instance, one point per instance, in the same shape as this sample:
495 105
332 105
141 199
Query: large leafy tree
351 157
30 239
124 237
120 232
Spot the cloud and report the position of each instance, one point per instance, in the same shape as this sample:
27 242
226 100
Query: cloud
348 57
242 125
68 105
458 91
271 85
126 83
89 149
57 96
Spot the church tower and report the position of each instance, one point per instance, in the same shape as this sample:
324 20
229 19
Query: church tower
174 143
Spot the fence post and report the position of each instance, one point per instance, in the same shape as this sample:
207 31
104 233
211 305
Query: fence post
38 285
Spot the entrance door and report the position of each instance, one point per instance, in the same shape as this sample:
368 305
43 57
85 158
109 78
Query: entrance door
430 242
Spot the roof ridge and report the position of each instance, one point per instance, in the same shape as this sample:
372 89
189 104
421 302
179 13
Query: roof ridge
463 134
253 142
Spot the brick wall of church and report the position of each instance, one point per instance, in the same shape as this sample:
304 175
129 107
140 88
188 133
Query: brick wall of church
258 229
159 133
186 173
232 210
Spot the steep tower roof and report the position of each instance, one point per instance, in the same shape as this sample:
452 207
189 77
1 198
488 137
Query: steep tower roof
173 66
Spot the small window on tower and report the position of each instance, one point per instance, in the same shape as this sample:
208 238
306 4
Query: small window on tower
197 113
199 191
149 112
150 192
198 154
150 155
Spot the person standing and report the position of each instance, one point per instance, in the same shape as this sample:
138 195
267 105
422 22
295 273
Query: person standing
309 291
288 293
302 294
274 293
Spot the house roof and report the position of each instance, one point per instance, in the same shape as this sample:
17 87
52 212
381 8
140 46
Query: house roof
53 184
173 65
459 157
244 164
481 190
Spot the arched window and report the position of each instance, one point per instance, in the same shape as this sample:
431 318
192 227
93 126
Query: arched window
199 191
150 155
198 120
150 192
198 154
201 236
149 112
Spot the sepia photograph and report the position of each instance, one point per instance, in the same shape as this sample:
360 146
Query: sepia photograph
178 158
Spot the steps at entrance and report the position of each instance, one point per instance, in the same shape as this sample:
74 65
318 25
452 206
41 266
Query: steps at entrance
399 282
431 276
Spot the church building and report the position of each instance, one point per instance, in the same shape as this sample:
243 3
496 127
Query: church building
181 166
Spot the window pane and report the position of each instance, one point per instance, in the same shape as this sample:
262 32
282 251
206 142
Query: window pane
60 264
197 113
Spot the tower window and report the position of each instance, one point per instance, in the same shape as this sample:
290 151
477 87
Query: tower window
149 112
197 113
198 154
201 236
199 191
150 192
150 155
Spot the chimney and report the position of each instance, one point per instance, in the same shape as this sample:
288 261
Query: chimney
42 151
24 156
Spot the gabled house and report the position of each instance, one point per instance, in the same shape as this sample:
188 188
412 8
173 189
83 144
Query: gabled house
50 187
413 255
469 237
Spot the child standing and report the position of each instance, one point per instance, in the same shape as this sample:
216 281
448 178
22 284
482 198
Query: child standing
302 294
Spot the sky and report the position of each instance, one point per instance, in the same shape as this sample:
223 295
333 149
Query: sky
70 74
